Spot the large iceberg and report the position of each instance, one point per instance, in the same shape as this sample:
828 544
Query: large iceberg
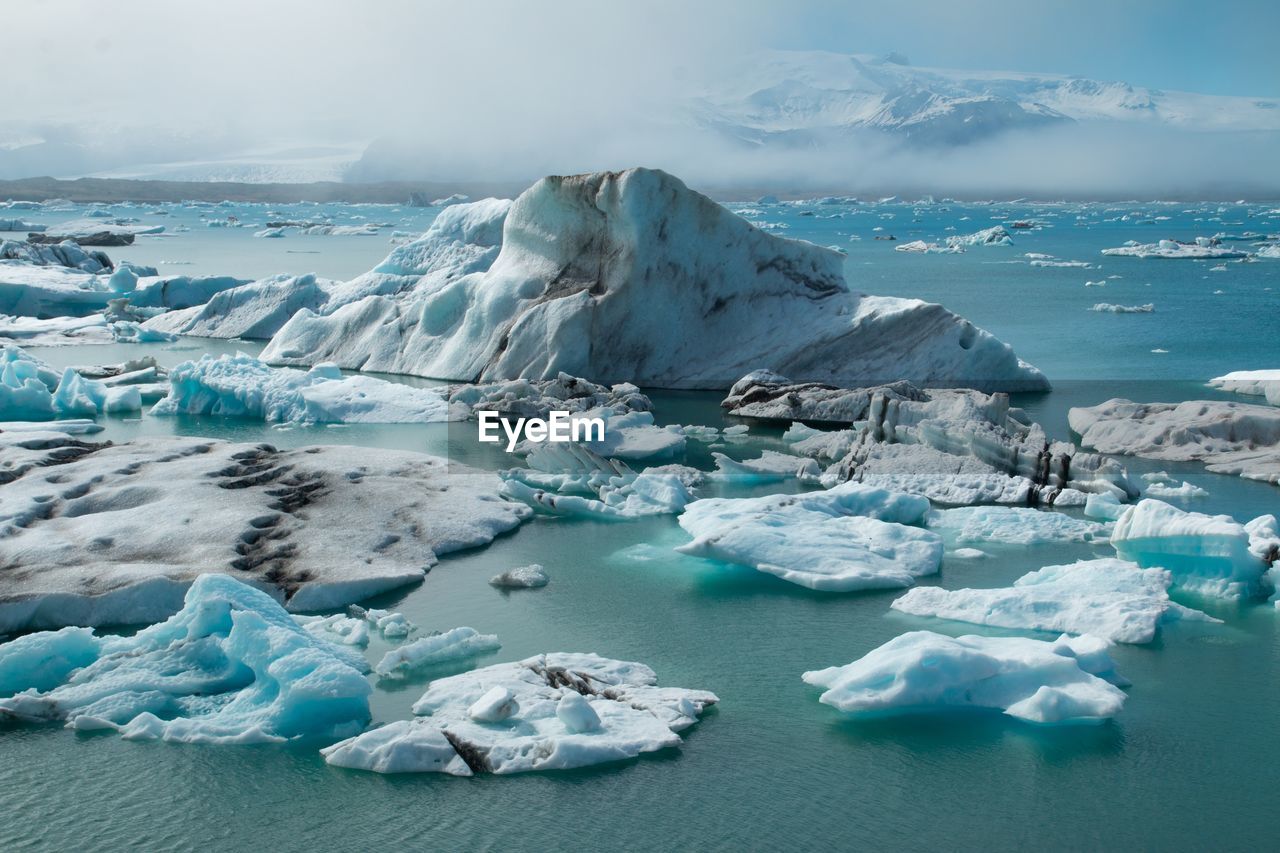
243 386
1253 383
851 537
1228 437
1109 598
548 712
1207 554
115 534
631 276
1070 680
230 667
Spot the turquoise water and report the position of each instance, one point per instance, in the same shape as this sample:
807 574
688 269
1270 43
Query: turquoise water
1190 764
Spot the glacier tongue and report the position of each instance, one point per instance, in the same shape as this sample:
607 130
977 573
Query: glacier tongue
630 276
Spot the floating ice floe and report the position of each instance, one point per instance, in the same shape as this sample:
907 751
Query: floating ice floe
243 386
1228 437
354 629
1014 525
231 666
549 712
1252 383
115 534
1161 485
920 247
532 576
851 537
571 479
583 303
339 231
1201 248
1109 598
1112 308
66 254
453 645
1206 554
770 467
1070 680
253 311
993 236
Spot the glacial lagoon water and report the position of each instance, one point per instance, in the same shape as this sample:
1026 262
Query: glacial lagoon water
1189 764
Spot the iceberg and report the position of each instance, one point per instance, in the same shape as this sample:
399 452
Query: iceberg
65 254
537 399
1228 437
31 390
851 537
1108 598
993 236
770 467
253 311
583 262
243 386
457 644
1202 248
1251 383
514 718
1111 308
1071 680
573 480
115 534
1206 554
532 576
231 666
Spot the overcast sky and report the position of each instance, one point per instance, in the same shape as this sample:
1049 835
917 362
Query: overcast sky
515 80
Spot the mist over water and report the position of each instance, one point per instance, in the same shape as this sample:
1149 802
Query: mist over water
510 91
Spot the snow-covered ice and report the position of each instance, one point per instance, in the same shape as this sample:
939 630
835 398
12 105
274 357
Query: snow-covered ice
1109 598
514 718
452 645
115 534
1069 680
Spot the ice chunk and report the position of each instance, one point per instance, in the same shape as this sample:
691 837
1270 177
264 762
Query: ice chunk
1070 680
254 310
1207 554
1254 383
525 577
455 644
243 386
1109 598
1229 437
632 716
1201 248
1112 308
125 528
1105 506
852 537
1014 525
230 667
571 304
770 467
537 398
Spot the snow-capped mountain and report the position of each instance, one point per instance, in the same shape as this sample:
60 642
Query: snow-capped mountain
806 97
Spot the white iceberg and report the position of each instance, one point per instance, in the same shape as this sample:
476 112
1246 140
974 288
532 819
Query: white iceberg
1014 525
1111 308
514 718
1108 598
1201 248
243 386
1253 383
851 537
531 576
1070 680
230 667
452 645
583 263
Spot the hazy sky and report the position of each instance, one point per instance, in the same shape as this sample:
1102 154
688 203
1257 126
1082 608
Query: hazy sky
544 85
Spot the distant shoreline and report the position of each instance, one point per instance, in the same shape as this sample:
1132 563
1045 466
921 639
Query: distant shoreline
114 190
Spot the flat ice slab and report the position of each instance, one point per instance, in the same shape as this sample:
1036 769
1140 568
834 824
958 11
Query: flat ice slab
1109 598
548 712
116 534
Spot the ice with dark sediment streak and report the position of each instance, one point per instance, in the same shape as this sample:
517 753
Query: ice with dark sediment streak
954 446
554 711
99 534
632 277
